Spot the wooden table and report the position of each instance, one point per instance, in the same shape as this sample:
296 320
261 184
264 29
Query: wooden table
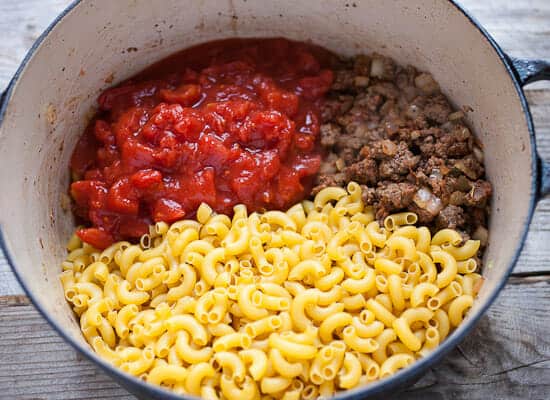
506 357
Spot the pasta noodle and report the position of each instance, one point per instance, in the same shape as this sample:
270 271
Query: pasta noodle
289 305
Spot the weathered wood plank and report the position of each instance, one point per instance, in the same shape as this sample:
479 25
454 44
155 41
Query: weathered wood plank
8 282
506 357
20 25
37 363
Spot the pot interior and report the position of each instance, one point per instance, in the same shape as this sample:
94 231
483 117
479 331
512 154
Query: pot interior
100 43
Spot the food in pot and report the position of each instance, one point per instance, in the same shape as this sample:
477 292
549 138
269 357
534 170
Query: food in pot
235 121
242 287
391 129
295 304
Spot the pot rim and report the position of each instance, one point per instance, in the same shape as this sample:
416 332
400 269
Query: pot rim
400 378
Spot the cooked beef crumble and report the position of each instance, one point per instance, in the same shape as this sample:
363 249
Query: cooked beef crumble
390 129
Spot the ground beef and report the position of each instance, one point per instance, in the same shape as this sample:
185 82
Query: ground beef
343 80
437 109
327 180
363 171
394 132
394 167
329 134
450 217
386 90
394 196
479 194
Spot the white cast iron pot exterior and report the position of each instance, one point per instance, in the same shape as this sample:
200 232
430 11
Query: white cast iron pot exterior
54 95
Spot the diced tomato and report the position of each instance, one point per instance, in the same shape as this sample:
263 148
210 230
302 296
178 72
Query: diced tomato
122 198
84 153
316 86
146 179
133 227
223 123
167 210
89 193
136 155
103 133
186 95
96 237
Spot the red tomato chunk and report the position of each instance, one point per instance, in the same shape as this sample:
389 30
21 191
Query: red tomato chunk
228 122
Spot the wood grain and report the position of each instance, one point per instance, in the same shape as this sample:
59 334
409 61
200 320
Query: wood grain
506 357
38 364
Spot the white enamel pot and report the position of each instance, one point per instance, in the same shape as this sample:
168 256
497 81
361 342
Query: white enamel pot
93 42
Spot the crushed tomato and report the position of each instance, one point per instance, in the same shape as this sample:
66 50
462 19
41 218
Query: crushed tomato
227 122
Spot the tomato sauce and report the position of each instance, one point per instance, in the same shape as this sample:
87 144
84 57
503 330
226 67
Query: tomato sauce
226 122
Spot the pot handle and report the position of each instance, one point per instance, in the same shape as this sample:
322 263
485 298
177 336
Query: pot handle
528 71
3 96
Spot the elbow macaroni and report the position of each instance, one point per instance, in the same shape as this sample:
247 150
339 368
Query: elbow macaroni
284 305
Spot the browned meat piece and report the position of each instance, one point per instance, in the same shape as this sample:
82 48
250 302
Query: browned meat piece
457 198
424 216
367 101
368 195
450 217
382 67
448 146
393 168
379 150
479 194
352 142
437 109
349 122
394 196
390 112
361 65
426 83
386 89
390 129
405 78
470 167
358 134
343 80
366 134
348 155
364 172
329 134
477 216
336 106
323 181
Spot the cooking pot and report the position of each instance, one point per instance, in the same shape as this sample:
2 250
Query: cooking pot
95 43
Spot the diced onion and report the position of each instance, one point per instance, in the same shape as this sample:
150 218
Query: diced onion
361 81
424 198
377 68
456 116
389 148
413 111
421 197
481 234
372 125
434 205
426 83
436 174
478 154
